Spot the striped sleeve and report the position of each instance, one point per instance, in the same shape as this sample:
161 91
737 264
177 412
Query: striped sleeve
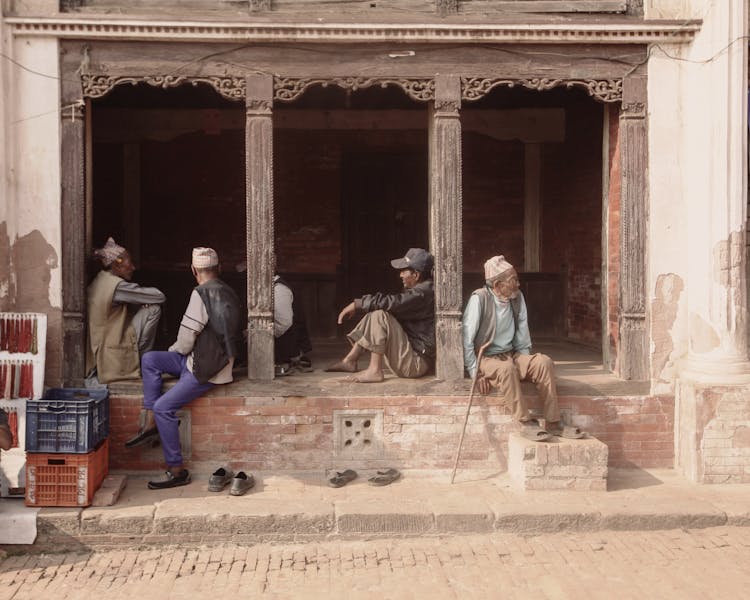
193 322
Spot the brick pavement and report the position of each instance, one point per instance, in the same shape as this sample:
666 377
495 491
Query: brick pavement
685 564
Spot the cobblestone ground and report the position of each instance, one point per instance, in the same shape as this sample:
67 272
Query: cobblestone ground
712 563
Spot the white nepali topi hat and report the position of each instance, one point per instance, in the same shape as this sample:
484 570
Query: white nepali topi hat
205 258
109 253
495 267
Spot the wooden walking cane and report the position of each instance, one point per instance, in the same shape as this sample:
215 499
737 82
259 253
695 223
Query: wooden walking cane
468 408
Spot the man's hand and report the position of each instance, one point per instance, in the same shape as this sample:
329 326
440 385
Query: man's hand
347 312
483 385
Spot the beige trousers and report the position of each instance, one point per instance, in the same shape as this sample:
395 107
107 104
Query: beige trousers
379 331
505 372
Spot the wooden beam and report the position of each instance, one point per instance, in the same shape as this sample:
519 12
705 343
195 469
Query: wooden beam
445 224
633 351
532 207
261 261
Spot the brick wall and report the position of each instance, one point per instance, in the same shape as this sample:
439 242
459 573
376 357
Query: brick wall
419 432
572 218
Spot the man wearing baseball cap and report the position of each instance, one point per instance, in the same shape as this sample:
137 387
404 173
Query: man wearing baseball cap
202 357
397 328
496 316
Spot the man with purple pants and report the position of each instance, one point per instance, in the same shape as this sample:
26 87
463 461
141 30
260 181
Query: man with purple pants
202 357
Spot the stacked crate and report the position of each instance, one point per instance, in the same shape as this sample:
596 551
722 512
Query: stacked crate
67 448
23 339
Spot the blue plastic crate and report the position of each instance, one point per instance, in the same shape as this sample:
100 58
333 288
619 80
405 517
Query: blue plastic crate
67 420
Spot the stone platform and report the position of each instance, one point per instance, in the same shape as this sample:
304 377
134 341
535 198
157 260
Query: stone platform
557 464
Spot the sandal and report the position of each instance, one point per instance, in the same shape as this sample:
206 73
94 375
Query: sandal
341 479
573 433
384 477
536 435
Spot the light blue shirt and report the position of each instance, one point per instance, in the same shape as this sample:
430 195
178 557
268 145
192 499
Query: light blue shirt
506 339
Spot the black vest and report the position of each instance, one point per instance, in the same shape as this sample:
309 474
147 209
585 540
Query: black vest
220 339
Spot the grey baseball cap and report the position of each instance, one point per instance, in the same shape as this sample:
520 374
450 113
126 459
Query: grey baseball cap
415 258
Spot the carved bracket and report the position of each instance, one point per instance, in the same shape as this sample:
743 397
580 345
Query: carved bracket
288 89
606 90
96 86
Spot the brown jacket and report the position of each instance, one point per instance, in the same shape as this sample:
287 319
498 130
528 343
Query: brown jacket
113 345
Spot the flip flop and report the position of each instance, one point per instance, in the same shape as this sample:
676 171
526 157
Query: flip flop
341 479
536 435
384 477
573 433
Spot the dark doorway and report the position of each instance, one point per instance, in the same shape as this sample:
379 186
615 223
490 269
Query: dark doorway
384 209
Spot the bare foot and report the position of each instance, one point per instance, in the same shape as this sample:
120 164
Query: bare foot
342 366
368 377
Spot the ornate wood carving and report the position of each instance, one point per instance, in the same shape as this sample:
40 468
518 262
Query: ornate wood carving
96 86
446 7
260 228
259 5
445 224
607 90
633 352
287 89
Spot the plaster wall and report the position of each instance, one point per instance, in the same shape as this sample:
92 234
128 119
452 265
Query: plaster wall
697 262
32 186
5 146
673 9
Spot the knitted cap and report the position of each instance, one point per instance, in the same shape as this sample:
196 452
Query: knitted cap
205 258
109 253
496 266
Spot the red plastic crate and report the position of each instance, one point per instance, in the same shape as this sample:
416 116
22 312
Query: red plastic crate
65 479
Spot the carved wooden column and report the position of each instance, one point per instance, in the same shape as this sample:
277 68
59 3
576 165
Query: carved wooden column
445 223
633 353
260 231
73 217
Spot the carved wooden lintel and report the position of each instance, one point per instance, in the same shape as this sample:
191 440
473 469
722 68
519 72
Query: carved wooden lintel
604 90
259 5
96 86
446 7
287 89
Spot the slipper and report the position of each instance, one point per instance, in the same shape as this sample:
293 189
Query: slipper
573 433
341 479
384 477
536 435
340 367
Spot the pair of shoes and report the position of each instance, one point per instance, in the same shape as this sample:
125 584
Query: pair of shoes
143 436
241 482
385 477
171 480
342 478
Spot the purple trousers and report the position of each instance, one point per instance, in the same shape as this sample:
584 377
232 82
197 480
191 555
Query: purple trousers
166 405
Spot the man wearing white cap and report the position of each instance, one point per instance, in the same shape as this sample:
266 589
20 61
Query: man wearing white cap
397 328
496 315
122 318
202 357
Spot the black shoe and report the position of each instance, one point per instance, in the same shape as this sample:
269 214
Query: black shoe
142 437
170 480
241 483
220 479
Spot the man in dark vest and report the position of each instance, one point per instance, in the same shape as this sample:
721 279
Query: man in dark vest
292 341
202 357
496 314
